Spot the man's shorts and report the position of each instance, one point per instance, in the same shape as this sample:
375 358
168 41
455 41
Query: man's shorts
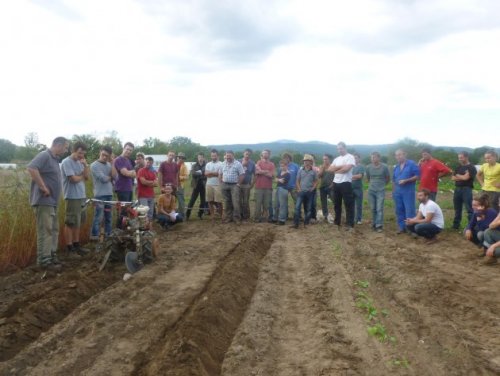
75 214
213 193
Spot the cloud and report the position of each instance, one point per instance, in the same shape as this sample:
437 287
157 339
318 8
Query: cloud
224 33
394 26
59 8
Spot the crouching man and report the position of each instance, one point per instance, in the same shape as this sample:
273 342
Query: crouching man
429 220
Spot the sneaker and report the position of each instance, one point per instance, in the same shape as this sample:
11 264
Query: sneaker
82 251
56 261
94 238
379 229
431 240
401 231
51 267
295 225
349 229
359 223
414 235
488 260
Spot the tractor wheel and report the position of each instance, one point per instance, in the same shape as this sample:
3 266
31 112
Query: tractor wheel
115 242
148 245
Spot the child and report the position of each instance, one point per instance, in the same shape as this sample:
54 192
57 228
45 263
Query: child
281 194
167 205
481 219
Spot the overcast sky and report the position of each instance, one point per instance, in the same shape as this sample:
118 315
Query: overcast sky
364 71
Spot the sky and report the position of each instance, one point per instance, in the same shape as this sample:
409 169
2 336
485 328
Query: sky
220 72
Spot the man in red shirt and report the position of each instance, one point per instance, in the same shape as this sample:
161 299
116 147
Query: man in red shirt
264 174
169 171
146 181
430 171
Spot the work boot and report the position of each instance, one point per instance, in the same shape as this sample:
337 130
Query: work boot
80 250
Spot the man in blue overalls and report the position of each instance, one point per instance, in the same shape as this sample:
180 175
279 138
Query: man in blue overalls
406 173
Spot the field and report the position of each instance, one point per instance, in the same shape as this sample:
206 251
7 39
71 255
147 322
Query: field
259 299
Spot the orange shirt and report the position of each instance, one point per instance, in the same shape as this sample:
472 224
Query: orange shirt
167 205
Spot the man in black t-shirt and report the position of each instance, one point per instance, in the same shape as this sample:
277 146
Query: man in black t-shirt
463 176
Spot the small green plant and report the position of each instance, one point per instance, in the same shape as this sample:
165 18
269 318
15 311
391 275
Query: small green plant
362 284
400 363
378 331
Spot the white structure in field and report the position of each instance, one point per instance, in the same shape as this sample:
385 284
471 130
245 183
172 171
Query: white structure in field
158 158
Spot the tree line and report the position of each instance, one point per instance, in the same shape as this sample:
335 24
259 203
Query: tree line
10 152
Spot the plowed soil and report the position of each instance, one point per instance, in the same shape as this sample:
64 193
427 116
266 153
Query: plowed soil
260 299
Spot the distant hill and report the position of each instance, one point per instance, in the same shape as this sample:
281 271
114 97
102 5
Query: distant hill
318 147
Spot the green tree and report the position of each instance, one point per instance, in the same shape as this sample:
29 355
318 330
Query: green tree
114 141
188 147
153 146
7 150
93 145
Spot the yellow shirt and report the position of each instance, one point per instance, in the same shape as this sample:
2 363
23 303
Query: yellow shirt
183 175
166 204
491 176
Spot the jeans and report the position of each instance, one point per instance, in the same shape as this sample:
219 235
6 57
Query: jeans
376 200
280 204
150 202
462 197
404 202
181 203
313 205
491 236
358 201
47 233
123 197
303 198
343 191
199 190
427 230
263 199
100 210
245 201
325 193
231 194
166 221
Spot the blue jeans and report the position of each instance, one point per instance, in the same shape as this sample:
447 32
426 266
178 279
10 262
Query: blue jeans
358 203
150 202
427 230
99 211
376 200
166 221
181 203
303 198
280 204
404 201
462 197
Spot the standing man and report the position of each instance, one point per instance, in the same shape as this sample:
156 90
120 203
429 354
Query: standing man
404 176
198 183
247 184
140 161
431 170
264 174
231 177
183 177
124 184
358 171
75 171
489 177
307 180
103 173
463 176
342 187
213 186
46 186
429 220
146 183
293 169
378 177
325 184
169 171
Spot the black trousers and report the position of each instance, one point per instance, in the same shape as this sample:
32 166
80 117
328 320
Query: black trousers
199 190
343 192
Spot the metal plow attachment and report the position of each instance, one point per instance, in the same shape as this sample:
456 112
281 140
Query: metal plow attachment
132 262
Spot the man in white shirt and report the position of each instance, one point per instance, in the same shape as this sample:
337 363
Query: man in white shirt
429 220
342 185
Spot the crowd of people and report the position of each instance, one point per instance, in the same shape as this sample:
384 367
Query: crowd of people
223 189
